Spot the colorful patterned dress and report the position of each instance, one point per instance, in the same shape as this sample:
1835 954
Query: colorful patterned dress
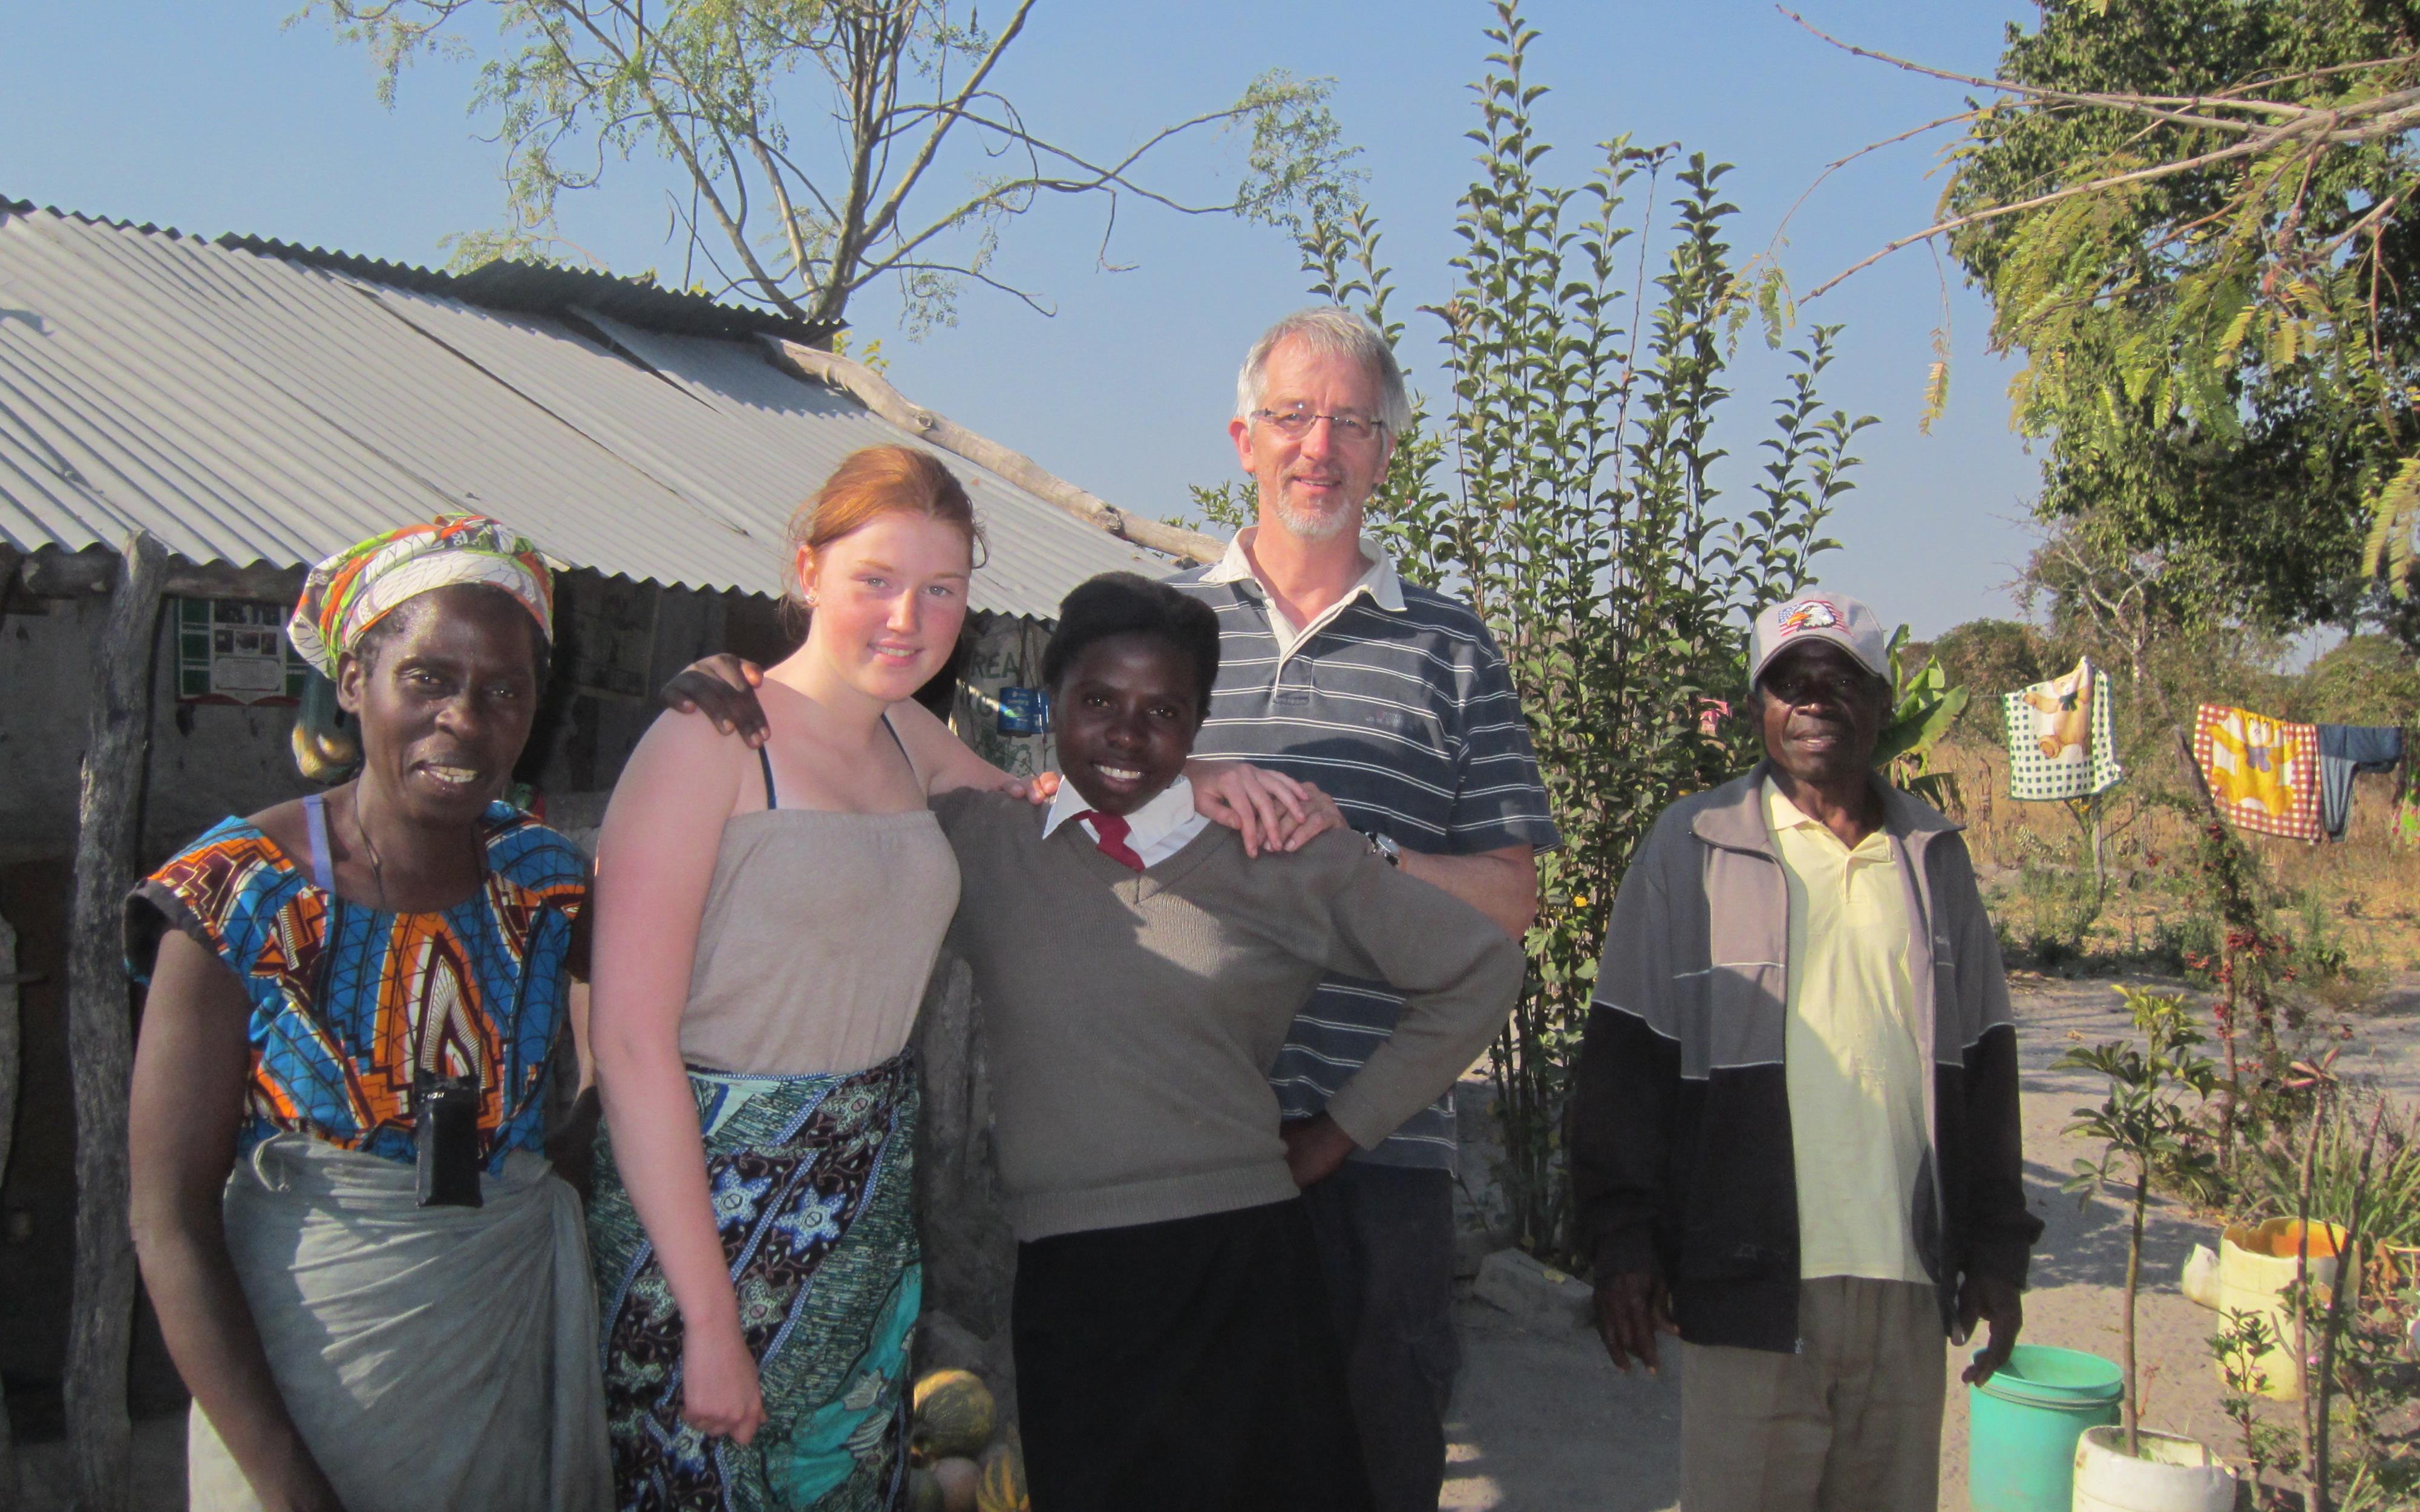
812 1182
431 1356
818 933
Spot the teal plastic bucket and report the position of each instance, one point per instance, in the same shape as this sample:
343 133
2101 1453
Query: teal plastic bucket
2021 1426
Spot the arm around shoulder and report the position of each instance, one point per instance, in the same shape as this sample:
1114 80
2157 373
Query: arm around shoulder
1459 974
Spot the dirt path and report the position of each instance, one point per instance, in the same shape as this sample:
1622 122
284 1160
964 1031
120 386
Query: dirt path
1543 1420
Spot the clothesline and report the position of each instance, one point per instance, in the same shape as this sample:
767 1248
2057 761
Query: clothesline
2276 777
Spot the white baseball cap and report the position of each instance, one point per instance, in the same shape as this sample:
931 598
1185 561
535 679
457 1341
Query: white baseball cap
1819 616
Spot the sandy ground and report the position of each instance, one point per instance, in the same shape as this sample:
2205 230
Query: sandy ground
1542 1420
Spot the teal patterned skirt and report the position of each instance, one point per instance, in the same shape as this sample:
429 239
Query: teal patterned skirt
812 1178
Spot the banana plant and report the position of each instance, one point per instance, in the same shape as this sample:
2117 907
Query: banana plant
1925 709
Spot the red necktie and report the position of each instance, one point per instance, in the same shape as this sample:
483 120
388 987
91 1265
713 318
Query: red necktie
1109 832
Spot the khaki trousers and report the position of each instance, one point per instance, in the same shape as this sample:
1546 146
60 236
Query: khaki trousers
1850 1424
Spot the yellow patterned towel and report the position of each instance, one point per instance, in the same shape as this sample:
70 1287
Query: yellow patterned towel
2263 773
2062 743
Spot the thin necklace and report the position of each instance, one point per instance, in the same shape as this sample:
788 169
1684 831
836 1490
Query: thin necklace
378 867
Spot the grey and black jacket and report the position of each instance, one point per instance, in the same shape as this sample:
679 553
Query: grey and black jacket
1680 1120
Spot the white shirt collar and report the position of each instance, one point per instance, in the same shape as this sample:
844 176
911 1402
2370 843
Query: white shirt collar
1152 828
1381 581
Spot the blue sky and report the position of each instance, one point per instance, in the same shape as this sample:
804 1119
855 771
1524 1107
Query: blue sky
211 116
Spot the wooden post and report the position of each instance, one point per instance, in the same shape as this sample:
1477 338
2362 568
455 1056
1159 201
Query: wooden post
874 391
969 1254
9 1491
101 1034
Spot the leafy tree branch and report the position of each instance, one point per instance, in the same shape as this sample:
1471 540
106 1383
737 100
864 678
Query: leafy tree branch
812 138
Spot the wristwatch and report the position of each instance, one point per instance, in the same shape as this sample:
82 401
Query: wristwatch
1384 848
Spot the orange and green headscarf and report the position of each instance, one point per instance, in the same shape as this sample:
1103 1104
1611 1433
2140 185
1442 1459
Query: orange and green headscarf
362 584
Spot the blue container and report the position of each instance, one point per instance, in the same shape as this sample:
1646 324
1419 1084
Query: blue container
1024 711
2021 1426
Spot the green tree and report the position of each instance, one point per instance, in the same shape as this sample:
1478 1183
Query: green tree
1989 657
2369 679
1562 482
822 146
2193 218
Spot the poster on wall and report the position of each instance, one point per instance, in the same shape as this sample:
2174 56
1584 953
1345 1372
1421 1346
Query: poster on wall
1002 711
234 651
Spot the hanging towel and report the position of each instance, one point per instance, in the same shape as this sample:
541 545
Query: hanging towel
2346 749
2263 773
2062 741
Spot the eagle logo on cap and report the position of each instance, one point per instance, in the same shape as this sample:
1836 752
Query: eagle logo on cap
1808 614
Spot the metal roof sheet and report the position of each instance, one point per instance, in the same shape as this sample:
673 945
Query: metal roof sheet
541 288
249 407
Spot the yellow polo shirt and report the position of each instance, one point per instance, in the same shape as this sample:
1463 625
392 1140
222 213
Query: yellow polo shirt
1856 1092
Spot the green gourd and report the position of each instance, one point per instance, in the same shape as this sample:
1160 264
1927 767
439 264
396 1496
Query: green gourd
955 1414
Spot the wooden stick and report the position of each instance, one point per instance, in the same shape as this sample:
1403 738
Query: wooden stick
100 1032
871 389
2192 770
52 572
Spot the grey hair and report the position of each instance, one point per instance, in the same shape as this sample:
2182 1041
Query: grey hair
1330 330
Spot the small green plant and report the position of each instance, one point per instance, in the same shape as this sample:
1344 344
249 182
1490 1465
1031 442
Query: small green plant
2269 1182
2241 1345
2342 1350
2058 903
2146 1131
2319 939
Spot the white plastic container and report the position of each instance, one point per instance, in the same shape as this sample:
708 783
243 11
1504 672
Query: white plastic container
2174 1474
2201 1279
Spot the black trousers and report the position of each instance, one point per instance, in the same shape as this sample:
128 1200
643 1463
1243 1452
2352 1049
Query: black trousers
1183 1366
1385 1247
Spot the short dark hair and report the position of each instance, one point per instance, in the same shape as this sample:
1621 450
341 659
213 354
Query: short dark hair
1123 603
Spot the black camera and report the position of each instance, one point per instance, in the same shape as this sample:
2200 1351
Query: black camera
445 1133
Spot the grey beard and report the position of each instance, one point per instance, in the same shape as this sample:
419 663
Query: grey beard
1309 525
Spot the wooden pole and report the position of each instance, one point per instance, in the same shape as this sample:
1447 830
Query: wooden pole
100 1032
9 1491
871 389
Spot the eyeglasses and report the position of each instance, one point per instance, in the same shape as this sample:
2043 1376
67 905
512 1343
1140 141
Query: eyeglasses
1294 424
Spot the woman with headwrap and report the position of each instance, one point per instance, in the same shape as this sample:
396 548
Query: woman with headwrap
377 1291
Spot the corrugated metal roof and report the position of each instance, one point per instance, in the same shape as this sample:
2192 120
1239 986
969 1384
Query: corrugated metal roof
250 408
540 288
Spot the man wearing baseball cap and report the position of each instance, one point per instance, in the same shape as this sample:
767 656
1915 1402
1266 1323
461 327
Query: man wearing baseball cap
1794 1134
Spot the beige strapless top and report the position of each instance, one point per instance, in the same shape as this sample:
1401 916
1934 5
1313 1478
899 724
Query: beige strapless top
820 929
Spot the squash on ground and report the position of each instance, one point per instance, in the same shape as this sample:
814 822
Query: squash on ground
1004 1481
955 1414
925 1492
959 1478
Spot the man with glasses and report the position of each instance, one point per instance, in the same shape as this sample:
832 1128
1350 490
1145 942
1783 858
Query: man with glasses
1395 703
1794 1135
1386 708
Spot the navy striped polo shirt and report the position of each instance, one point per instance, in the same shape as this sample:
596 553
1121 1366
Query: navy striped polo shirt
1398 704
